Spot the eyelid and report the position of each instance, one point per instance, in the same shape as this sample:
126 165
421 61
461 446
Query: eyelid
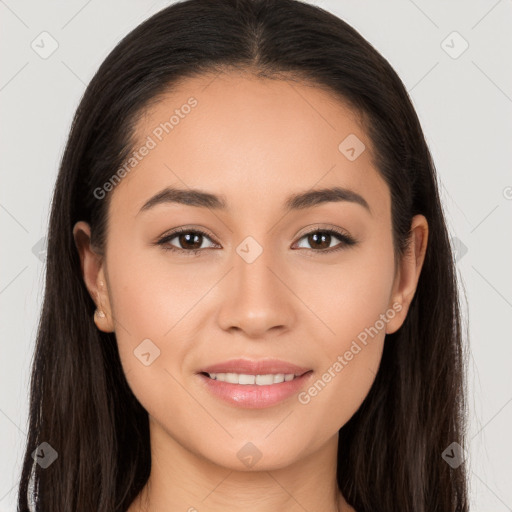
312 228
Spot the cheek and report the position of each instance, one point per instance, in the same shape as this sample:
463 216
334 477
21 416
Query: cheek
153 305
353 302
351 295
153 292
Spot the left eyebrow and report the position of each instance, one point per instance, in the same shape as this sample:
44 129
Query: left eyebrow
312 198
299 201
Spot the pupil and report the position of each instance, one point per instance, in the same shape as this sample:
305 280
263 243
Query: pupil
323 236
186 238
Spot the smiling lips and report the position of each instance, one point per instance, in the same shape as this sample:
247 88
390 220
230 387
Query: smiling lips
254 384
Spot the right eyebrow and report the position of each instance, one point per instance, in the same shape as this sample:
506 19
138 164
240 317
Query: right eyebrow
189 197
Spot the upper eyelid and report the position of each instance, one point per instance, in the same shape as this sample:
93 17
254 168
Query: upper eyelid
313 228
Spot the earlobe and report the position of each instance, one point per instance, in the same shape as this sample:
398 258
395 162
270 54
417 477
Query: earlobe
409 270
102 315
92 268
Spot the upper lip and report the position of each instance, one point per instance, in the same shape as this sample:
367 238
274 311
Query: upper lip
260 367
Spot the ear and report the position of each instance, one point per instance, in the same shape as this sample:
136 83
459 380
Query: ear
94 276
407 276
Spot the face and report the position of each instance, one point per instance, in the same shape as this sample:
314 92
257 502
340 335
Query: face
309 282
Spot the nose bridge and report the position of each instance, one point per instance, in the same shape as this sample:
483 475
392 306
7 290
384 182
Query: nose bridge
256 300
253 262
252 267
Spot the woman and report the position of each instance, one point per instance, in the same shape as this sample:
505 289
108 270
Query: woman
250 295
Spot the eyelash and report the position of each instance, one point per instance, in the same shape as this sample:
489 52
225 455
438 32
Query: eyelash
346 240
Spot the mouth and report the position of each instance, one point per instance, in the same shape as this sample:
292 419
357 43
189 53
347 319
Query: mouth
247 368
253 391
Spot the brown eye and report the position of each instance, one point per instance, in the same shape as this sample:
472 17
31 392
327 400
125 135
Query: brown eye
320 240
189 241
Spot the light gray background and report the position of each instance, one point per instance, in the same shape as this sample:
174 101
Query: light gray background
465 107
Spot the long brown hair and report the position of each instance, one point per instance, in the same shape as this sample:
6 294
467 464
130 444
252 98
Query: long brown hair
391 451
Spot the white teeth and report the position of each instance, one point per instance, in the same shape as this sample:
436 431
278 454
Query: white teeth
259 380
276 380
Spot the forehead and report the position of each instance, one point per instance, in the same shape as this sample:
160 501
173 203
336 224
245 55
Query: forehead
250 139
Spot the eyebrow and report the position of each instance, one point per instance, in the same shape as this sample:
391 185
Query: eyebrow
298 201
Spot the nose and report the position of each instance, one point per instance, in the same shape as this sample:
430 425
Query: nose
256 297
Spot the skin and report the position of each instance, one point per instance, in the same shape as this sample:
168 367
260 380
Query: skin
255 141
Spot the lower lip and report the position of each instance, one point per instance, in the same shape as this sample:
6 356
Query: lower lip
253 396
